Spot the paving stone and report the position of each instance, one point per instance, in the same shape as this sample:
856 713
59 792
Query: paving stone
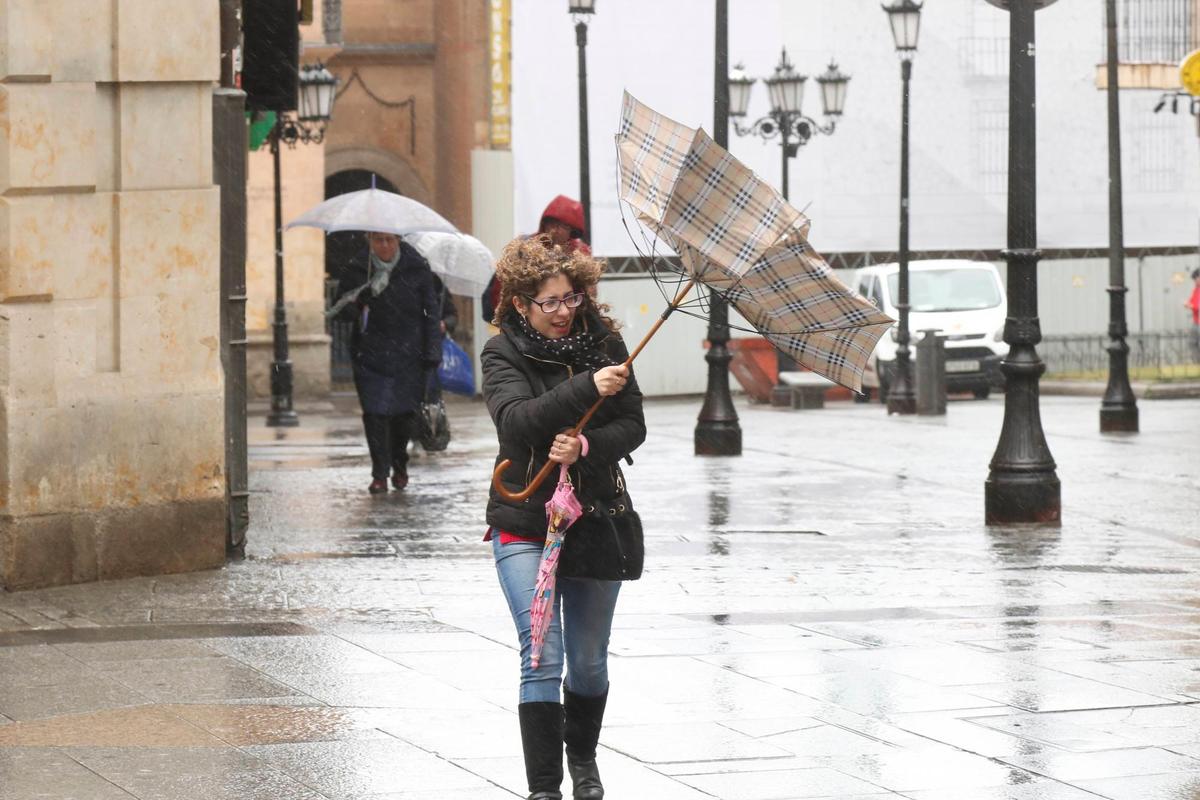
103 653
272 723
1061 694
1171 786
964 730
783 785
879 693
351 769
41 774
484 792
39 666
98 693
1034 789
929 768
196 680
673 742
209 772
139 726
1104 764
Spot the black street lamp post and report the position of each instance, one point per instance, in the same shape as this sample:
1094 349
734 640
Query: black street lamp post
581 11
317 92
905 19
717 430
282 414
1118 410
1022 485
787 121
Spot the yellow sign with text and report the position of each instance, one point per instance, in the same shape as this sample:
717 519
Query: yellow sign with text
500 57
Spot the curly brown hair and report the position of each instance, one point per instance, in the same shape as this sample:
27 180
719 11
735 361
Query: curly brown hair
526 262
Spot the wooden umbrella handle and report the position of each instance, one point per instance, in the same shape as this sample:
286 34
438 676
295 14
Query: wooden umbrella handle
544 472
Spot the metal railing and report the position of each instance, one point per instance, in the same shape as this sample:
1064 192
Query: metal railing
1155 31
1152 356
637 265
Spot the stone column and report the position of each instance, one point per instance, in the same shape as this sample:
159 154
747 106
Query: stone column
111 453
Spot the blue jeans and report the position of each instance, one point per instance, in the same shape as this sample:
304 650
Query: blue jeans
585 606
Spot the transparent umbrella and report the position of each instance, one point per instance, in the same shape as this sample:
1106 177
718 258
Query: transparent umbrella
463 262
373 210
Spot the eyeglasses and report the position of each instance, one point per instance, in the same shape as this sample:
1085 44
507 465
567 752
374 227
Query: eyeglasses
551 305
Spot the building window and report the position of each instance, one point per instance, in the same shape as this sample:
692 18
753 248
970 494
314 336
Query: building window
990 127
331 19
1153 151
984 53
1155 31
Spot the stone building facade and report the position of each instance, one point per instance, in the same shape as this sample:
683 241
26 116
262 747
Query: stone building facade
302 187
111 452
1154 36
412 104
435 54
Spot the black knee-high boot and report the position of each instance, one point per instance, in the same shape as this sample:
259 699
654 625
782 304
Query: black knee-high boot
584 716
542 741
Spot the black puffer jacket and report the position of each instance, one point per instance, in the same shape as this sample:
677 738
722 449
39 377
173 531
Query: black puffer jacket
533 400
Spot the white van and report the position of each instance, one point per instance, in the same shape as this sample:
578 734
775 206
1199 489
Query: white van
964 300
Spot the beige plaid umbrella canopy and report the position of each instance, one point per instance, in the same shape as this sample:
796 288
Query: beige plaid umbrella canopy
737 235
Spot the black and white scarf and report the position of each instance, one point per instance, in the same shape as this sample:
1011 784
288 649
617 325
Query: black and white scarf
381 275
581 349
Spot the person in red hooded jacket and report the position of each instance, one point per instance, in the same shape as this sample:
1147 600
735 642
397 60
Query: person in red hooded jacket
562 222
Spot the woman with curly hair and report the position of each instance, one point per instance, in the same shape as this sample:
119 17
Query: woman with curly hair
556 354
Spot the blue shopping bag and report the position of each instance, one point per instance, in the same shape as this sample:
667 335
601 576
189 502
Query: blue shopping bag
455 372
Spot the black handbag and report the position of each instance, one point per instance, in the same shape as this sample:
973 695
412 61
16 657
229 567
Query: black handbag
434 427
605 543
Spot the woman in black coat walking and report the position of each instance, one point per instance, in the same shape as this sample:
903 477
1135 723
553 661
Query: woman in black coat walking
556 355
397 342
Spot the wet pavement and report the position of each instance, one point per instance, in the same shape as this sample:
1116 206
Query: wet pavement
824 617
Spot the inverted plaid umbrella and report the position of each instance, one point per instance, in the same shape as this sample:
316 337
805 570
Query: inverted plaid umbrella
561 512
737 236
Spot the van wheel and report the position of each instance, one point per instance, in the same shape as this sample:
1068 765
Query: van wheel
982 394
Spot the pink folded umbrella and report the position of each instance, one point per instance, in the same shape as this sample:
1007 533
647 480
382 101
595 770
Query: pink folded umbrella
561 512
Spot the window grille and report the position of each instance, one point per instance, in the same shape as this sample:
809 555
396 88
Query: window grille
1154 31
989 122
1153 149
984 53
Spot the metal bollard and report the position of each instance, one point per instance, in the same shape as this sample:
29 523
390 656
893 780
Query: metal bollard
931 373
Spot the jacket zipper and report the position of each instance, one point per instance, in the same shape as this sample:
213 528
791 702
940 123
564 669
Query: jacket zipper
570 374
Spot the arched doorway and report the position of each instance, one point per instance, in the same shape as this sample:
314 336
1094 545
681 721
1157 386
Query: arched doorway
341 250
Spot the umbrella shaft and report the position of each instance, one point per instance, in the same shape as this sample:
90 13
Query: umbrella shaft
544 472
637 350
666 313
